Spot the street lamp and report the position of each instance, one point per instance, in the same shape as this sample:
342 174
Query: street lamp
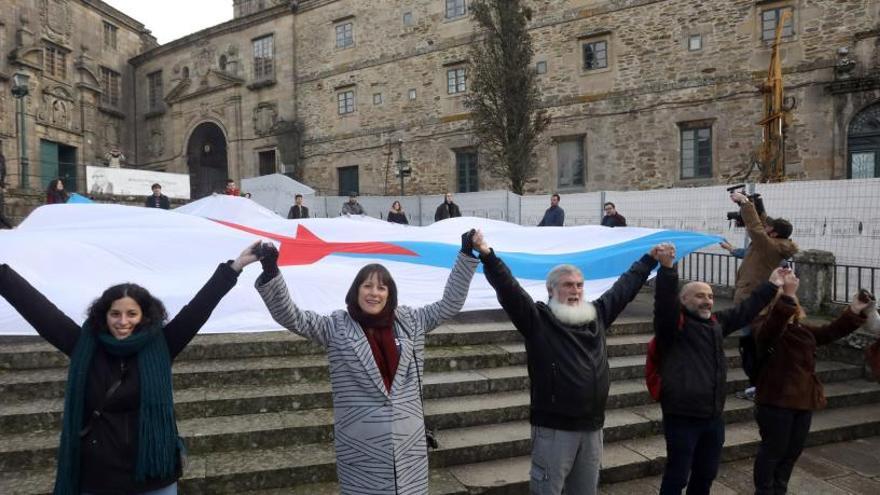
403 168
19 91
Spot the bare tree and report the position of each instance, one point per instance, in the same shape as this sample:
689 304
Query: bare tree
504 95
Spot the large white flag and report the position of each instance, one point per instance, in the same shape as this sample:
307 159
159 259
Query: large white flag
72 252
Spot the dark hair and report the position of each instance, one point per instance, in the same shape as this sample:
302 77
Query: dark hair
52 184
556 195
385 278
298 196
153 310
154 186
609 203
781 227
230 181
396 203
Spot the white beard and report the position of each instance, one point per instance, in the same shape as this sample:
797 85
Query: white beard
578 315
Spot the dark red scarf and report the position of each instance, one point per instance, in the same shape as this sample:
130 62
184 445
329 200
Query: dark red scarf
379 330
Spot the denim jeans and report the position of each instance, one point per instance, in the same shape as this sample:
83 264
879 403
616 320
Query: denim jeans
693 451
783 434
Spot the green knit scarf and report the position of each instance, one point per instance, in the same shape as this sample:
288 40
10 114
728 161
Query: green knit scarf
157 429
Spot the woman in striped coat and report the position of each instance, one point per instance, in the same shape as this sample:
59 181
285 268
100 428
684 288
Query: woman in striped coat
376 354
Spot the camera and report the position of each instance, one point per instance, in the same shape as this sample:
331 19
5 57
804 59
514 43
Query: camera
736 216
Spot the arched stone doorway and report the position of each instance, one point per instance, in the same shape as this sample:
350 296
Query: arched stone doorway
863 144
206 160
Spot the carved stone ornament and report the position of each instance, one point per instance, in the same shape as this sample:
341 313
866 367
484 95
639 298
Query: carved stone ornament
204 59
156 146
57 108
265 118
57 19
111 134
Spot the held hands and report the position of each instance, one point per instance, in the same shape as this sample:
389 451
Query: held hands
664 253
862 301
246 257
786 279
480 244
471 240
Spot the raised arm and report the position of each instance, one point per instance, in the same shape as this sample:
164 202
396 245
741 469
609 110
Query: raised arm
515 301
848 322
272 288
614 300
666 303
743 313
456 290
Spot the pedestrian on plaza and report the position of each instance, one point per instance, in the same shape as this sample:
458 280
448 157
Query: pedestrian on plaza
55 193
118 432
568 366
555 215
788 390
612 218
157 199
396 214
447 209
352 207
693 371
298 210
376 351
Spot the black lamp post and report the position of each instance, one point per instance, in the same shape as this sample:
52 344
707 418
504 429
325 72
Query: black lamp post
19 91
403 168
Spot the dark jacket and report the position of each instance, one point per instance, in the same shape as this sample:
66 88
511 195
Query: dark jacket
55 197
295 212
616 220
693 365
788 378
109 450
446 210
160 201
395 217
568 366
553 217
763 255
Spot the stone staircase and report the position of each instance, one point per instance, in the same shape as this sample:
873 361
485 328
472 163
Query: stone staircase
256 411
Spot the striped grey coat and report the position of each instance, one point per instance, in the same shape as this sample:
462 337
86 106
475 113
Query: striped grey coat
380 435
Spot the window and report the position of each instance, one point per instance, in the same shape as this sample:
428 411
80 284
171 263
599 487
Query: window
595 55
345 102
110 35
412 94
348 180
695 42
455 81
222 63
264 55
863 165
247 7
571 169
455 8
377 98
407 19
55 62
266 160
770 19
466 170
154 91
696 151
541 67
110 86
345 35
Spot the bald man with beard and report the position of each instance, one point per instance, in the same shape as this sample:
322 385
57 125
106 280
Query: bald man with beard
568 367
693 369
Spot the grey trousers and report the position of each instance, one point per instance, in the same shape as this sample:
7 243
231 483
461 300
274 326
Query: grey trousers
565 461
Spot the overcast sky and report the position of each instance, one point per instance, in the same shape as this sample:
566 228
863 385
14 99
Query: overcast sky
172 19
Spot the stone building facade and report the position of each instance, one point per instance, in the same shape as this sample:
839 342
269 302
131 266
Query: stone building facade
642 93
78 108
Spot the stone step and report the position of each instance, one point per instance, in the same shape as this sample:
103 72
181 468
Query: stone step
47 383
465 425
45 414
34 353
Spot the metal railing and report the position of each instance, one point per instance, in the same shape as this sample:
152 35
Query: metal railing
848 279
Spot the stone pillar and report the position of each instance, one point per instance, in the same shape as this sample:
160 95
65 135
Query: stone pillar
815 269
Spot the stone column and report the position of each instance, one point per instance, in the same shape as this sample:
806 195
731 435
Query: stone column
815 269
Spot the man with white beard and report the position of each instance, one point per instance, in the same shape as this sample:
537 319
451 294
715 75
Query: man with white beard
568 367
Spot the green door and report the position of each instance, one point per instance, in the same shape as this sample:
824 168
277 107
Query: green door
48 162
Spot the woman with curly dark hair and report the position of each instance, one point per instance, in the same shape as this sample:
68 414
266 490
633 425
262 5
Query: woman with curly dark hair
119 433
55 193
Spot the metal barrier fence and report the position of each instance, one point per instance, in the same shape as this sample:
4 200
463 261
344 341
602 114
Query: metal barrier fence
848 279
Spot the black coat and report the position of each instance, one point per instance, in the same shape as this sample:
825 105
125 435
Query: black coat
616 220
446 210
294 212
161 201
568 366
693 366
109 450
395 217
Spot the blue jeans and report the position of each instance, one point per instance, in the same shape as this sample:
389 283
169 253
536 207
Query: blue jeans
168 490
693 452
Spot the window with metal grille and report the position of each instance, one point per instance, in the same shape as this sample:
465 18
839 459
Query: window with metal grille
348 180
110 32
570 165
345 35
264 55
455 8
55 62
154 91
345 102
595 55
466 171
696 151
110 87
456 81
770 19
266 161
